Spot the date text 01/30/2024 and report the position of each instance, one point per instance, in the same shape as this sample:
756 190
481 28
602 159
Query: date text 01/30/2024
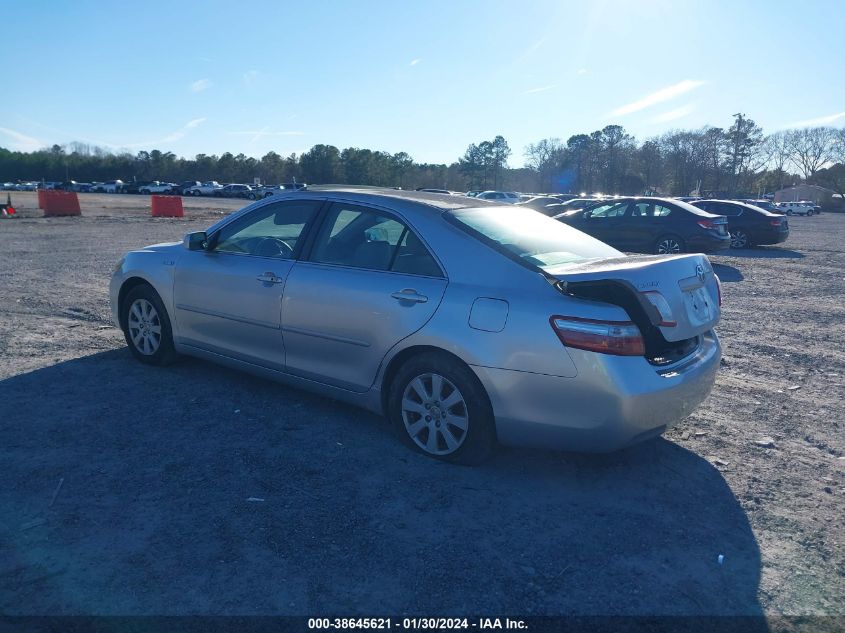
416 623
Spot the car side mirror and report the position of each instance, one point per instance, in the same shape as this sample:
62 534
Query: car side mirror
196 241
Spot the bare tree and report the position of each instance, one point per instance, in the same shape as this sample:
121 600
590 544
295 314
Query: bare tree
811 148
545 158
778 150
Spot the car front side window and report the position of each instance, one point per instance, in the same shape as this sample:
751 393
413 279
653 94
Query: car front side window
270 231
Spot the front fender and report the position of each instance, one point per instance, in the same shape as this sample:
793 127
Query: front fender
156 268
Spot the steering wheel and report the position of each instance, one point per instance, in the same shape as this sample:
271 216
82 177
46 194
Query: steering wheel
273 247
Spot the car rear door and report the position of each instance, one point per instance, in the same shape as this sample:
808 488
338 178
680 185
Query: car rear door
228 298
368 283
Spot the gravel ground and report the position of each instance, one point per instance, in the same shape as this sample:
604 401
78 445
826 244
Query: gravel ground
194 489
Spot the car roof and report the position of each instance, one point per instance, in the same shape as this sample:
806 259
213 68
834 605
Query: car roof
741 203
378 195
686 206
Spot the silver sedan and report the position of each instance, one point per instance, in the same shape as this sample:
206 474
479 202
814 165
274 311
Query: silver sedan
465 323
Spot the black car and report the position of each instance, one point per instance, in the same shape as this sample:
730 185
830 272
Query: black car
179 190
541 204
766 205
651 225
135 186
748 225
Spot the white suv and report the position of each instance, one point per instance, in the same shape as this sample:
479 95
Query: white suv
507 197
803 207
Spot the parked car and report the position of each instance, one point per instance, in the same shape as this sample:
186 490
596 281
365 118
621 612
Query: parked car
288 187
767 205
506 197
652 225
72 185
110 186
571 205
429 190
543 204
804 207
183 186
748 225
494 324
205 189
235 190
473 193
156 186
134 186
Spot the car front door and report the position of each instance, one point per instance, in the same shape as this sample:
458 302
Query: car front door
228 297
368 283
606 223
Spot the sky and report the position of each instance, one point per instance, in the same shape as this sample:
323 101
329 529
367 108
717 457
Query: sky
427 78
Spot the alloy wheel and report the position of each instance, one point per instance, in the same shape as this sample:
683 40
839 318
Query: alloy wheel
739 239
435 414
144 327
668 246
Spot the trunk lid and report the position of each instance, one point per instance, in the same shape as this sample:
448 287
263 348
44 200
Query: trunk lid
678 293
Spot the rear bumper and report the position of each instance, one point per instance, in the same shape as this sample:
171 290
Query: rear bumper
613 402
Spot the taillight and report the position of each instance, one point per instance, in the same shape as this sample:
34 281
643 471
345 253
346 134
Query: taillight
659 301
776 222
620 338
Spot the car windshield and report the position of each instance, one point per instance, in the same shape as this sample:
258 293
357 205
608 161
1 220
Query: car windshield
536 239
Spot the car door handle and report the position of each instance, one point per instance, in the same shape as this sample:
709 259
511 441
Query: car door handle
269 278
409 294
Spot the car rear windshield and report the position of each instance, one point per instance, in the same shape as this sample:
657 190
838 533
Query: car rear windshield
529 236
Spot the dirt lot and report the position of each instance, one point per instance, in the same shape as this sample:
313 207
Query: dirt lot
131 490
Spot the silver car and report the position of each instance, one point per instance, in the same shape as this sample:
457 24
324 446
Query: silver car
466 323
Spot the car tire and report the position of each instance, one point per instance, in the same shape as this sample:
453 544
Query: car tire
789 212
669 245
740 239
146 326
440 408
195 193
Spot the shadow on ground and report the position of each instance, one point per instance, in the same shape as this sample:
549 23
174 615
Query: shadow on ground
728 273
764 252
197 490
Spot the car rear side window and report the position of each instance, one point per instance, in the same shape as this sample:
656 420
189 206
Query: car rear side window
270 231
365 238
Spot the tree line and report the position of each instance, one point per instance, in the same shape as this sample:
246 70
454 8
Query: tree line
732 161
